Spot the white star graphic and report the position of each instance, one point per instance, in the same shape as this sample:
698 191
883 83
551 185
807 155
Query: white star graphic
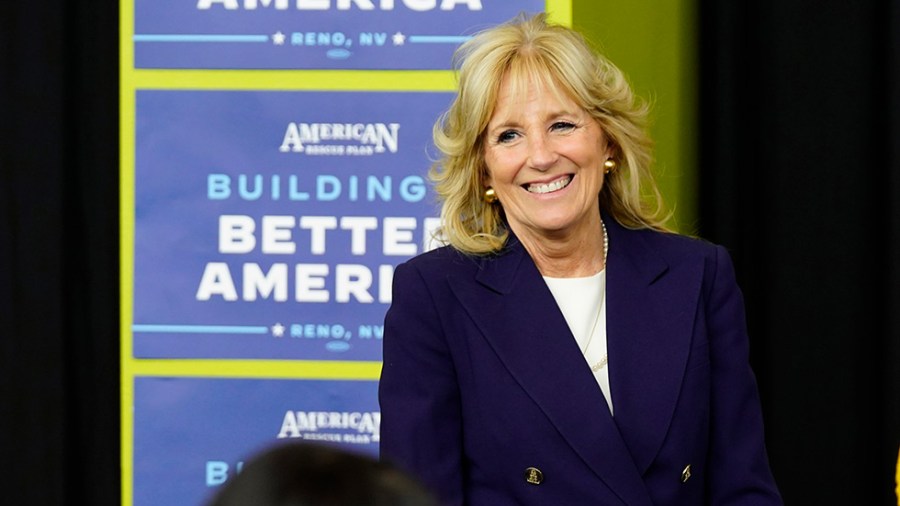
399 39
278 330
278 38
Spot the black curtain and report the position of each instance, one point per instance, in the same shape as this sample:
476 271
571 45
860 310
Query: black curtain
59 344
800 178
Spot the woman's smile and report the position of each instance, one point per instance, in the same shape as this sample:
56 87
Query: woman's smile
551 187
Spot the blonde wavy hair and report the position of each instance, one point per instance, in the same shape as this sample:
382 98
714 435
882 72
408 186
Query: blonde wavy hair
531 50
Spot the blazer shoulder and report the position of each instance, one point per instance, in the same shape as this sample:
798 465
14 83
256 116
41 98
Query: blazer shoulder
679 250
442 261
676 247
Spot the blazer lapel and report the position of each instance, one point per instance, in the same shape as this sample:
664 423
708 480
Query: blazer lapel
651 307
520 320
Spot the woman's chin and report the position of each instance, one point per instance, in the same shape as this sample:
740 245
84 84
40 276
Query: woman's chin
551 225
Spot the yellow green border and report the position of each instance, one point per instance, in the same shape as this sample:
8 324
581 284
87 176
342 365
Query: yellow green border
559 11
131 80
126 242
341 80
269 369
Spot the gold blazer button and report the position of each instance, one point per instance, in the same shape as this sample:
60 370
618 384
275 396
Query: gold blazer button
686 474
534 476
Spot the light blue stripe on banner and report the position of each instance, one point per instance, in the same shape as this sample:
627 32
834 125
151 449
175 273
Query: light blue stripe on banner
438 39
199 38
201 329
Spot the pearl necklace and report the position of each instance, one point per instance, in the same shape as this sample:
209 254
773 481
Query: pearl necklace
600 364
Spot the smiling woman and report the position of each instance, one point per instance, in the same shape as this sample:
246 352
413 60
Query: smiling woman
565 348
557 68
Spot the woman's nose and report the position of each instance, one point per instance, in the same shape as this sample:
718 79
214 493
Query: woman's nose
541 155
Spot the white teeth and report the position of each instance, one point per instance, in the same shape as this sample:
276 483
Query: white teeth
550 187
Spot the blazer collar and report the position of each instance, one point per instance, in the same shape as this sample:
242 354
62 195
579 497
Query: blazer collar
499 271
651 305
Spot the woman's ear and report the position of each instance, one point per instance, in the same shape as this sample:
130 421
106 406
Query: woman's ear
486 180
612 151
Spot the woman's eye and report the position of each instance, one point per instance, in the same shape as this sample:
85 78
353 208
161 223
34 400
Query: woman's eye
506 136
562 126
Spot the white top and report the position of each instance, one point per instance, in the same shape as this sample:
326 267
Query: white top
583 304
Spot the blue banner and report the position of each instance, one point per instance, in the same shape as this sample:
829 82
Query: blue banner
268 224
192 434
311 34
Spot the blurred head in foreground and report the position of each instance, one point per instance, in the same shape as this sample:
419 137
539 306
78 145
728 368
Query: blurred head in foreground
301 474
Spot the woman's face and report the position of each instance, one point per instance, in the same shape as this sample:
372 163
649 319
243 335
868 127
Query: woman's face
544 156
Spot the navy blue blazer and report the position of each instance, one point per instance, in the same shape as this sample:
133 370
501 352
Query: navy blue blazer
482 380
